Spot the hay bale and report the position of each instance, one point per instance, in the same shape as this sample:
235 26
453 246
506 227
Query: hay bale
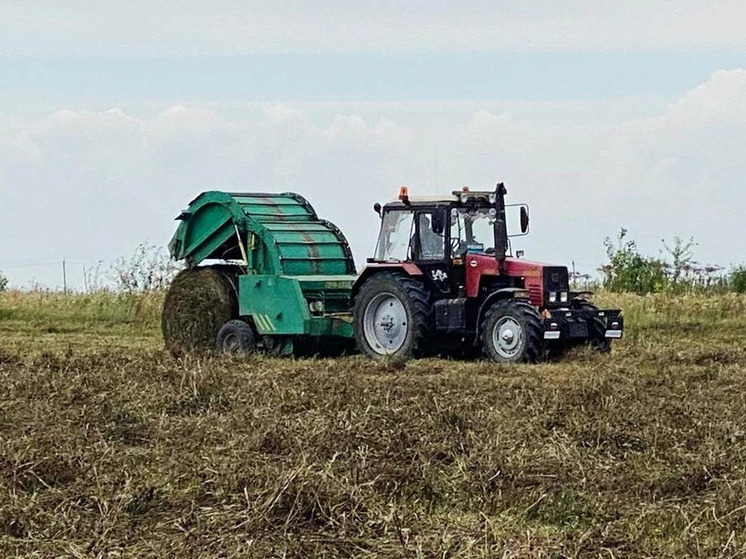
197 304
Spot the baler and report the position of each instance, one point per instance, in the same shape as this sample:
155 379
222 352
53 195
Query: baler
290 277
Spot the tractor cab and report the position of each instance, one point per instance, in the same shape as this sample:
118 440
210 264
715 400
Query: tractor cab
437 233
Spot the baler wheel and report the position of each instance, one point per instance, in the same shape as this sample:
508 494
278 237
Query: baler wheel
392 317
236 338
511 332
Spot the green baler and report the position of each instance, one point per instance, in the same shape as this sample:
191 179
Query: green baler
266 260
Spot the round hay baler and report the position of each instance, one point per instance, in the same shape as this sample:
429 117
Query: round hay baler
263 271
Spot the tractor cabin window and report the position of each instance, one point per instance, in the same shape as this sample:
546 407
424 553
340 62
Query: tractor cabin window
396 234
430 231
472 230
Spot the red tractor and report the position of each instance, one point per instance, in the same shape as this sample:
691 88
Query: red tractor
442 281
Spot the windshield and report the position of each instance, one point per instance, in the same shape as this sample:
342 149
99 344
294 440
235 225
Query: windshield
472 230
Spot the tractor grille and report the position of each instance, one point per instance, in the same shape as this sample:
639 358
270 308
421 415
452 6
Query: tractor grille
534 292
556 280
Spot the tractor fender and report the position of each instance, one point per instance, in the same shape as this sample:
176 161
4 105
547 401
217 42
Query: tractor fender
405 268
504 293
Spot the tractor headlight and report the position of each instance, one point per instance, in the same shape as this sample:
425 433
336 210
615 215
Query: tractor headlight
563 297
316 306
552 296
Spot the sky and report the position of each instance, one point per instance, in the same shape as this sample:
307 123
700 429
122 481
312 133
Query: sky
599 115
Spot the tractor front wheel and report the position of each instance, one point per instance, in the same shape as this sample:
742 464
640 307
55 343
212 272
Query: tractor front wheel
511 332
236 338
392 316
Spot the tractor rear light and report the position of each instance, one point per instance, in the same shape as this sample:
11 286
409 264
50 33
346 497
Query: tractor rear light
552 296
615 326
563 297
553 326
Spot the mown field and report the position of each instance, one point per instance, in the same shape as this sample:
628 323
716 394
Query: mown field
110 447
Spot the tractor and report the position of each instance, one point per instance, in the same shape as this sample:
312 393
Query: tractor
442 281
265 273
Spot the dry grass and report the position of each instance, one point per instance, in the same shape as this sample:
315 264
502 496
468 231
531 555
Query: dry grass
119 449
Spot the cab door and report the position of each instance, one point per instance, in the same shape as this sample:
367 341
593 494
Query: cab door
431 248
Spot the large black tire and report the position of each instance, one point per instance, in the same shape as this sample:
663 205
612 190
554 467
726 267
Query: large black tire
392 317
596 329
511 332
236 337
199 301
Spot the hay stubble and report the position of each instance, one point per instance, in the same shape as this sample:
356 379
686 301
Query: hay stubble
132 452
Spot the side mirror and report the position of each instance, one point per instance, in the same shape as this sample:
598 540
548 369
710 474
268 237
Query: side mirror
377 209
524 219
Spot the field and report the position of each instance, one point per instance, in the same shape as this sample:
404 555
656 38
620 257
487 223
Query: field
111 447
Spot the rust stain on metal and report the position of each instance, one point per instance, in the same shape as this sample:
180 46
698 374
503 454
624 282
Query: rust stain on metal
313 252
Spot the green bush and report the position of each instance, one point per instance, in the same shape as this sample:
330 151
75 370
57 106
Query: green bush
630 271
738 279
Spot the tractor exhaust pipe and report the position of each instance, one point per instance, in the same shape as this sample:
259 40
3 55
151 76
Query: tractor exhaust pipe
501 228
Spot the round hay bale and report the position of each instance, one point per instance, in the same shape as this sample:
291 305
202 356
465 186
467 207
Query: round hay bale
197 304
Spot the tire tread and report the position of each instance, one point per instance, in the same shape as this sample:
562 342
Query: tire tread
422 313
533 330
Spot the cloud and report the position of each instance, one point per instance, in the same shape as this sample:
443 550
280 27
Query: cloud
282 114
691 154
93 184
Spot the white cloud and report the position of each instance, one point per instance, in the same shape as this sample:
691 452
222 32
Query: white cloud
93 184
282 114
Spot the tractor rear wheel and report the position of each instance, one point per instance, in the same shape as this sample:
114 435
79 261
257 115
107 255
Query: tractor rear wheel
392 317
511 332
236 338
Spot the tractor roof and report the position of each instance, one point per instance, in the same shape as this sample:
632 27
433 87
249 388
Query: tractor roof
457 198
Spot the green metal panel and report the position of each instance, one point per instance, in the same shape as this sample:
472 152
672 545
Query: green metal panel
281 233
275 303
275 207
277 307
205 226
309 248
